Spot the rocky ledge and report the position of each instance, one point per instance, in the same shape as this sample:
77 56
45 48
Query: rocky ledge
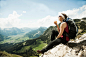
76 48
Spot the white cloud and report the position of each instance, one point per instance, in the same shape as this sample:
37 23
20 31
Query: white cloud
14 15
24 11
47 21
76 13
11 21
44 22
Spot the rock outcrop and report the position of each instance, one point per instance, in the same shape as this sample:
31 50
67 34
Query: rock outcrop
76 48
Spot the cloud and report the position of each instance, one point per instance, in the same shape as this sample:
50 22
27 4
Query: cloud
24 11
14 15
47 21
11 21
76 13
44 22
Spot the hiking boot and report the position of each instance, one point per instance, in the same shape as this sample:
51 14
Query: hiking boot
39 51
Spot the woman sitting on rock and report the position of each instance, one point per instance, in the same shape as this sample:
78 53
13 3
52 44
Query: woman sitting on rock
60 38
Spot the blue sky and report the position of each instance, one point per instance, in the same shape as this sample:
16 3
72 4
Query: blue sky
36 13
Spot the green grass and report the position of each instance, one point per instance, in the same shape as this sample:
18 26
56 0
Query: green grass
23 49
39 46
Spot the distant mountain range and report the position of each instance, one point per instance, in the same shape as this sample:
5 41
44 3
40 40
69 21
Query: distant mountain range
15 35
14 31
36 33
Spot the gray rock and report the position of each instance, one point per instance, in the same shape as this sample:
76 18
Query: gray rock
75 48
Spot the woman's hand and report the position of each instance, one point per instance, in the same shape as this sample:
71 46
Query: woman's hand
55 22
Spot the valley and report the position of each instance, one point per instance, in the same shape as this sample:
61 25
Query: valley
15 39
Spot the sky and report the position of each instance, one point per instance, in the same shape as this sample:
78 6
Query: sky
38 13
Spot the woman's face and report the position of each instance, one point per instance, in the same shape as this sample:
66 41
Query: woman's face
60 18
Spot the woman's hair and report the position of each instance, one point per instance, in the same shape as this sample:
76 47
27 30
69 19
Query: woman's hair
64 15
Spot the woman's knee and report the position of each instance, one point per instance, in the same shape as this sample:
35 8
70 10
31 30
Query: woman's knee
54 32
56 41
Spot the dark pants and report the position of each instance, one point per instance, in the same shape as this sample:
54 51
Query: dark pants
54 41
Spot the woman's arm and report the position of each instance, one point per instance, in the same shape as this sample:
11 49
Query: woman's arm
57 27
55 22
62 27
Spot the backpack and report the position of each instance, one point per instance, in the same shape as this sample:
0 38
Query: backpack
73 30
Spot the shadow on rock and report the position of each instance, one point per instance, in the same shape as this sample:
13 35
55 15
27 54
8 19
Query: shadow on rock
80 44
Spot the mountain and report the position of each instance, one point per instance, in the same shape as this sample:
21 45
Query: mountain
13 35
26 48
14 31
25 29
36 33
84 18
19 36
2 37
29 47
10 31
81 24
76 20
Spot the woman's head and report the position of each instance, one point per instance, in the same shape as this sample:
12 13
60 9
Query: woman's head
62 17
65 16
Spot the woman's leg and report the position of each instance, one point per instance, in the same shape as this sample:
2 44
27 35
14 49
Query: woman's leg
51 44
54 33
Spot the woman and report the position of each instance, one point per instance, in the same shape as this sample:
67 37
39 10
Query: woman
60 38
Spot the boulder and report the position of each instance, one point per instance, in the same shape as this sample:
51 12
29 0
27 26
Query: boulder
76 48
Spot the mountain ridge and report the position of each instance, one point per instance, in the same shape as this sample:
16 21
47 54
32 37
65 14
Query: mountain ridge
36 33
14 31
